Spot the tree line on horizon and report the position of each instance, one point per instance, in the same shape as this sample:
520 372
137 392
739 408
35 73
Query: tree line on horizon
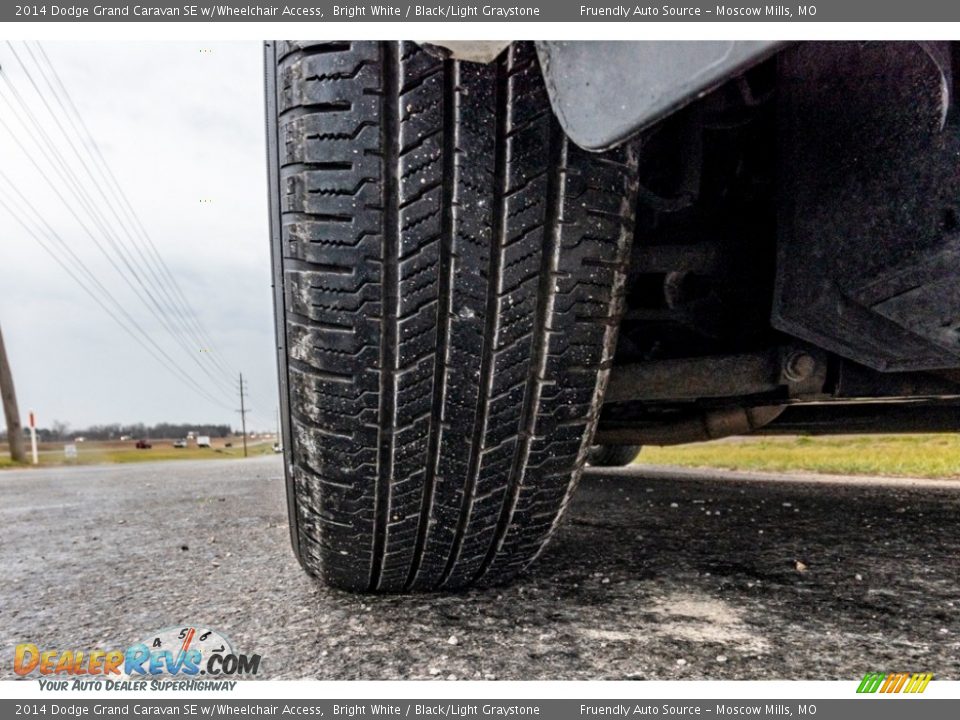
62 431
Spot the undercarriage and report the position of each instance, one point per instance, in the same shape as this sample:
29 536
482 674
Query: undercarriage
796 252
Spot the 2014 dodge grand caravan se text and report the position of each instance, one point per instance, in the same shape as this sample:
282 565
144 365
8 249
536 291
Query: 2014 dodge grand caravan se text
494 262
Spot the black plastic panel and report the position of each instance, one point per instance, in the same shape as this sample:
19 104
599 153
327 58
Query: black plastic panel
869 248
605 92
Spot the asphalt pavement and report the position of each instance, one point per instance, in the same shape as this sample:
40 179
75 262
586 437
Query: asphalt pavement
656 574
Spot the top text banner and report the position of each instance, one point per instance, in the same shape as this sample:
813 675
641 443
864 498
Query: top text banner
494 11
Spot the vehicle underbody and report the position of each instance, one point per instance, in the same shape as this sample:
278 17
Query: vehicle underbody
796 252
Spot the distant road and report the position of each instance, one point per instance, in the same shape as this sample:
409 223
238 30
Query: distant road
657 574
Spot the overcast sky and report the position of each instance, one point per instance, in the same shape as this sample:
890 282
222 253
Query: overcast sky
181 126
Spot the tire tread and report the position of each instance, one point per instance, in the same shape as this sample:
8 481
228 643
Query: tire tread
452 274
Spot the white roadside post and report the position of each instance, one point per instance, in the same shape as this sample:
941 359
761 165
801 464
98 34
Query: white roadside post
33 438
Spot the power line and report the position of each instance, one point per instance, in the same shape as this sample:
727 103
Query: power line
161 281
77 218
148 259
167 362
186 310
95 281
89 205
115 240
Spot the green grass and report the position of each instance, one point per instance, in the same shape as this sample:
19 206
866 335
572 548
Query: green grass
95 453
928 456
932 456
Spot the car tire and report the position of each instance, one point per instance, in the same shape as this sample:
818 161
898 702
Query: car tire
612 455
449 278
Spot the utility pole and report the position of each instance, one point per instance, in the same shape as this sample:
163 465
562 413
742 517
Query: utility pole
10 409
243 417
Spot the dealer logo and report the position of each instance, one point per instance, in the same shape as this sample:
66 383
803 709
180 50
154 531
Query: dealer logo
185 651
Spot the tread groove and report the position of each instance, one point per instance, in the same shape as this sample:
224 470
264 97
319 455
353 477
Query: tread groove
502 104
441 358
390 301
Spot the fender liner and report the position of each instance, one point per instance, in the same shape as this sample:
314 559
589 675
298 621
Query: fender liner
604 92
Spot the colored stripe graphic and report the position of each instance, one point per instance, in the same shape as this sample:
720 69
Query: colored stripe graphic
918 683
870 683
894 682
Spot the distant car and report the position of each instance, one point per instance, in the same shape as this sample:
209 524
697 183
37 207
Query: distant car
143 445
203 441
180 444
277 448
229 445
